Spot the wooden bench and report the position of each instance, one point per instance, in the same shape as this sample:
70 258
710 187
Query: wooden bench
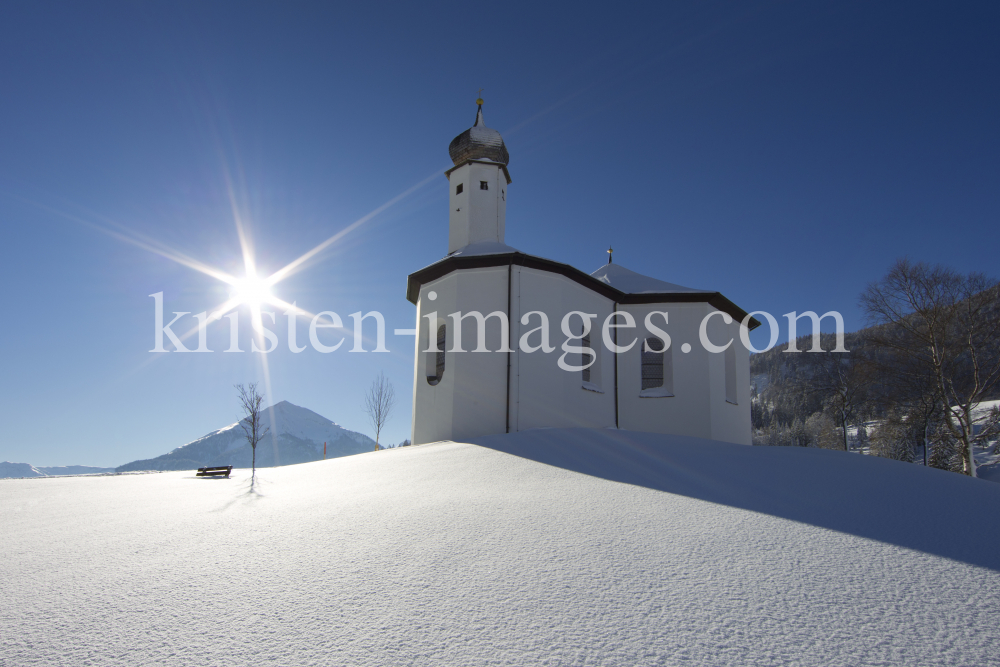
218 471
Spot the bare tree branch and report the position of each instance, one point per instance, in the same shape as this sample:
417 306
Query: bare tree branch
251 423
379 401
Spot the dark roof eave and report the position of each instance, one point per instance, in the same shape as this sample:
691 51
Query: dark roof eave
481 161
450 264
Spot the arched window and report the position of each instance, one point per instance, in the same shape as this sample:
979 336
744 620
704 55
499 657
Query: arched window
591 375
731 374
442 335
652 363
657 368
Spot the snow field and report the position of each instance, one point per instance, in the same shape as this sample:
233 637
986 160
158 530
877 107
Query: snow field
459 554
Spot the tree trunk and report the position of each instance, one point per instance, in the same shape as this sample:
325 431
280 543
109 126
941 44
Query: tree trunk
969 440
925 443
843 421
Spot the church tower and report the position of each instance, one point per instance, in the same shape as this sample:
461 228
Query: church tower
478 186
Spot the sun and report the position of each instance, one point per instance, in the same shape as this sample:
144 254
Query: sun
252 291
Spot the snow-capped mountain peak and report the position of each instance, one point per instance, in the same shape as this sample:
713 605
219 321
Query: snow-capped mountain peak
296 435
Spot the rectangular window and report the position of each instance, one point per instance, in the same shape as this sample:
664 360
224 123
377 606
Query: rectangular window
483 185
652 363
584 358
657 369
459 188
731 373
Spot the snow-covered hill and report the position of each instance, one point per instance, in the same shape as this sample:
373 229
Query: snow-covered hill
554 547
297 436
8 469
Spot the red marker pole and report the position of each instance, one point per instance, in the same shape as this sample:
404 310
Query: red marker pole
324 451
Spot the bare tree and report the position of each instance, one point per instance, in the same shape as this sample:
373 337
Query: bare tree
842 380
252 422
922 410
947 327
379 401
904 384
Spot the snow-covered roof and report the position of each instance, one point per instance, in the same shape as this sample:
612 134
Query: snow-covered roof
483 248
630 282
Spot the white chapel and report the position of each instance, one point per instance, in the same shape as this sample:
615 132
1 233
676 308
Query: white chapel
485 363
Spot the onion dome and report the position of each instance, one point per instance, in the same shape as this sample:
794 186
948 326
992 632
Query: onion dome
478 143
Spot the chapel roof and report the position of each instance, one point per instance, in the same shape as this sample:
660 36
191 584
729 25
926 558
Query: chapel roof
617 283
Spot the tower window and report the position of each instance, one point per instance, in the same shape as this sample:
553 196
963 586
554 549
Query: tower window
459 188
584 358
483 185
442 334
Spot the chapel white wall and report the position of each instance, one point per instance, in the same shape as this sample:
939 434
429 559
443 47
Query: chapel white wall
730 423
542 394
471 398
687 412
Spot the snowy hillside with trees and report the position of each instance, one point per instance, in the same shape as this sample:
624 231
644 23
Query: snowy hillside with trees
548 547
296 436
926 375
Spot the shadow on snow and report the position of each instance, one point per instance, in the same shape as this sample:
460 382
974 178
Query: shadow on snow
933 511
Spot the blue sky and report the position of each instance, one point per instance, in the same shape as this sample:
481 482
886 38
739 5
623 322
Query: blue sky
781 153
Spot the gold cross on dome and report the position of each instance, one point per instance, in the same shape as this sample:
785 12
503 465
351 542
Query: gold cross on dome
479 98
610 250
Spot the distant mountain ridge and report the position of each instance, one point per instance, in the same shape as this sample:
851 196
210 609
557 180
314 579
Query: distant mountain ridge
8 469
297 436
